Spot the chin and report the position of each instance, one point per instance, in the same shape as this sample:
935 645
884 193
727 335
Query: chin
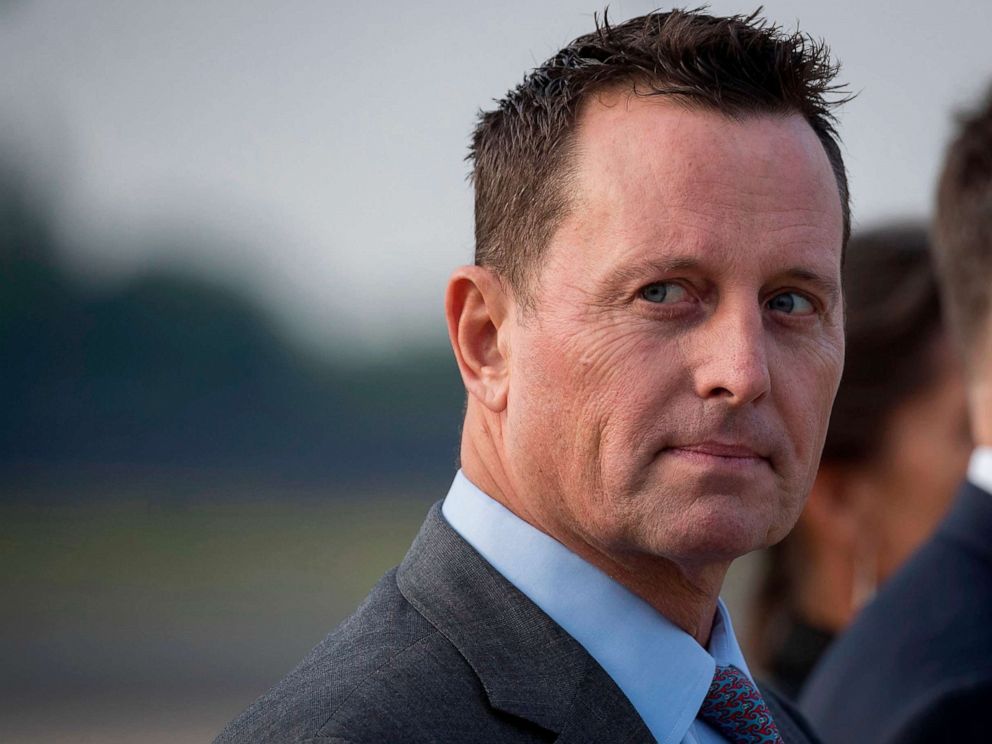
718 536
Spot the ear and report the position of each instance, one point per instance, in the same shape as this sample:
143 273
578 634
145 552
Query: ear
477 307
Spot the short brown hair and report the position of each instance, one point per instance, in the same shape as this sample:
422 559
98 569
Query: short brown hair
892 328
963 228
739 65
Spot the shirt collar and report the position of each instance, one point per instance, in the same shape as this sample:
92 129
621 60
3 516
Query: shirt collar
661 669
980 468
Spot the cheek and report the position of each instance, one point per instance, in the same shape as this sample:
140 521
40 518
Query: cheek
624 376
808 382
590 392
551 400
593 366
805 384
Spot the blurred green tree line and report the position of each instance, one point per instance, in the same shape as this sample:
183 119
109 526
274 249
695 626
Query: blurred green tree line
176 371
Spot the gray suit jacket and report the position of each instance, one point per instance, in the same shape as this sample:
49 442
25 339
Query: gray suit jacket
445 649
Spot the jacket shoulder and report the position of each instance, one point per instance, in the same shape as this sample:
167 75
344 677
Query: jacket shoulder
375 657
954 713
384 674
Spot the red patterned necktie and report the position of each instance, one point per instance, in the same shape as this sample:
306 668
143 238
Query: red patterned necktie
734 707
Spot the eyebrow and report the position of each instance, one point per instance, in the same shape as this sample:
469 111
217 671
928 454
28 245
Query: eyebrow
825 284
625 275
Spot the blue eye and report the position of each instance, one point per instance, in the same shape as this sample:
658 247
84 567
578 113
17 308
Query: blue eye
663 292
791 303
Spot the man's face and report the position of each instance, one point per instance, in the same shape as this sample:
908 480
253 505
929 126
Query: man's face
670 389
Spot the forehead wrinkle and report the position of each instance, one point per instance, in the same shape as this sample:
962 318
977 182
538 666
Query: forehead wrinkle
717 199
709 206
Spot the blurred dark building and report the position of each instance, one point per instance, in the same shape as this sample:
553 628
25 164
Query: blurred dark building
173 371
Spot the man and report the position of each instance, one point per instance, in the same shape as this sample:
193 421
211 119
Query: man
651 340
917 665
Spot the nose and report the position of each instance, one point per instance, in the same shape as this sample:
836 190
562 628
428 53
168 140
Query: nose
732 365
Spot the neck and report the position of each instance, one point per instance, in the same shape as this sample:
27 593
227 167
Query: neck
684 594
825 595
980 398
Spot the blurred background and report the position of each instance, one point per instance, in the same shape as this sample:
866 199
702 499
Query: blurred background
226 398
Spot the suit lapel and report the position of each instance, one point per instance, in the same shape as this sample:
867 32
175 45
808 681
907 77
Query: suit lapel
792 727
600 713
528 666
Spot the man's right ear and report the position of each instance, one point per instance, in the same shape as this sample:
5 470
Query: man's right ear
477 308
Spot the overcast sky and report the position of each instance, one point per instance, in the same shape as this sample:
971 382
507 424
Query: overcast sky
324 141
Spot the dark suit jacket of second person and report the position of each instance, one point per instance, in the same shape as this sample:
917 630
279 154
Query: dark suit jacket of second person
445 649
916 666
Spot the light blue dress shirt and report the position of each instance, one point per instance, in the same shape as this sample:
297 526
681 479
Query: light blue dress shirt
661 669
980 468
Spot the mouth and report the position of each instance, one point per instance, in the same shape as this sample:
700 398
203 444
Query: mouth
720 455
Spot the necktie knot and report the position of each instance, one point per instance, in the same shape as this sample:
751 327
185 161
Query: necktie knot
733 706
